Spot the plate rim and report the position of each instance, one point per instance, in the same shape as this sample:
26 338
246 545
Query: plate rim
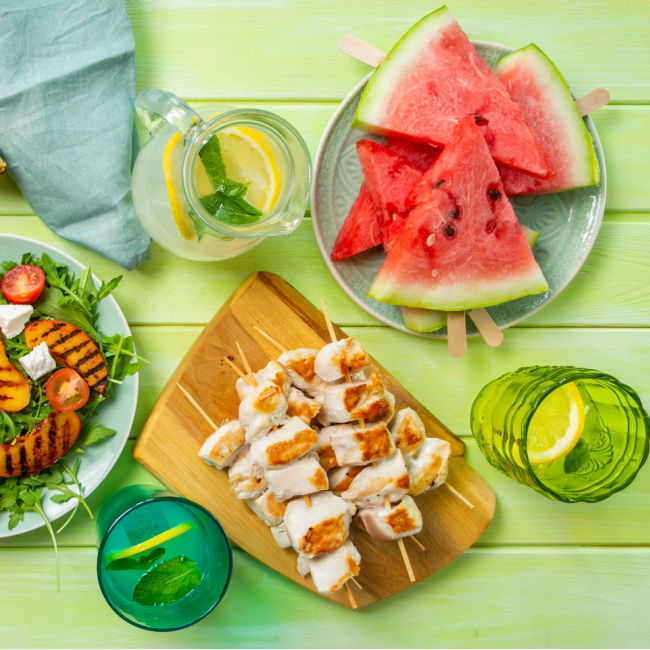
135 381
315 218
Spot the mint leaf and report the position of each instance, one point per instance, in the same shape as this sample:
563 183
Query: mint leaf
93 434
142 562
167 582
576 458
210 155
230 208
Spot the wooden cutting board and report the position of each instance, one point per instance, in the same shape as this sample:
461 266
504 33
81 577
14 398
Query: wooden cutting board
169 443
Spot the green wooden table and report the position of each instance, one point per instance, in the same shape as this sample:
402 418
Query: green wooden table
545 574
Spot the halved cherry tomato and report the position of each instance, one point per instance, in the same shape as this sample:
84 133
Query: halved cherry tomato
66 390
23 284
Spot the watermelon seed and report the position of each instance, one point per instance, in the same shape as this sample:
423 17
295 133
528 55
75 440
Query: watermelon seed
431 239
434 273
494 194
479 119
490 226
439 182
450 231
455 213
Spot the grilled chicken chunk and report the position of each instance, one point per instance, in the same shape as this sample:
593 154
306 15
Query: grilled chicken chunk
301 406
408 431
391 523
300 366
72 346
332 570
264 408
283 445
340 358
428 467
303 476
48 441
15 388
221 447
360 445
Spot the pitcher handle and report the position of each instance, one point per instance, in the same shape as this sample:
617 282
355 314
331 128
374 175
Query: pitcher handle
152 106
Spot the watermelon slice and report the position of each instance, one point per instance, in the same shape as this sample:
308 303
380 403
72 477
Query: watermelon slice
461 247
420 155
539 89
390 179
431 320
361 229
431 79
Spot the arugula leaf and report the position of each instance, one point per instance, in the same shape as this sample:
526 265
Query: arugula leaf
210 154
93 433
167 582
142 562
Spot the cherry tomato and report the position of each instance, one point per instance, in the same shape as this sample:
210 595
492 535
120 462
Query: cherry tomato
23 284
66 390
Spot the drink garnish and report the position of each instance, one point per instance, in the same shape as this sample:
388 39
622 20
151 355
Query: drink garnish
167 582
143 562
556 425
152 542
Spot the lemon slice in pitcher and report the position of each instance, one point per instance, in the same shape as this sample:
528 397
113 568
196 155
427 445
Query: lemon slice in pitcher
182 221
249 159
156 540
556 425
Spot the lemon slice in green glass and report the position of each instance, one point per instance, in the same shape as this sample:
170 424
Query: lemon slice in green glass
156 540
556 425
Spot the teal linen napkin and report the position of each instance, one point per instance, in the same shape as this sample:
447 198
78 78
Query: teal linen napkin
67 88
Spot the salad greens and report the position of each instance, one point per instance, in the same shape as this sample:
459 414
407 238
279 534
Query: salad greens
72 298
227 203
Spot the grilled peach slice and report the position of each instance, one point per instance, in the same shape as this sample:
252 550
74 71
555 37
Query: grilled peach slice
15 388
49 440
72 346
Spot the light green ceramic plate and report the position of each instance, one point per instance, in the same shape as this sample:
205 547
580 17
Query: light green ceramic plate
568 222
116 413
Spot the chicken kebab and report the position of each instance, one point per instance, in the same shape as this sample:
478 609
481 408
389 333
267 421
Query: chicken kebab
312 448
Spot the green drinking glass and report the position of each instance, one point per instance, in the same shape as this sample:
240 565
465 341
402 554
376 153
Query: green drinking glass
163 562
607 437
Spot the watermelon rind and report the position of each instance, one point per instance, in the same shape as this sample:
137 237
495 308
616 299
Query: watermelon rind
371 106
460 296
575 140
423 320
531 235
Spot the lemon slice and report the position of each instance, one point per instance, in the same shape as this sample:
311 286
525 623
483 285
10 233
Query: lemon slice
249 159
183 222
556 425
156 540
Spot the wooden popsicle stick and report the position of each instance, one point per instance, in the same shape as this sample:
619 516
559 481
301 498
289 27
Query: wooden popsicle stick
270 339
487 328
456 333
361 51
592 101
247 365
238 370
196 405
372 56
458 495
328 322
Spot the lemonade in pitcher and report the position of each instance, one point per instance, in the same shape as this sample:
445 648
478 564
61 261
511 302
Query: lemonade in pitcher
210 190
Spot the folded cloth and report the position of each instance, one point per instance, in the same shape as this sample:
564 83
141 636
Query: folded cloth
67 87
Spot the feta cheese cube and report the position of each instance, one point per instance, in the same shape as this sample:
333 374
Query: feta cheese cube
13 319
38 362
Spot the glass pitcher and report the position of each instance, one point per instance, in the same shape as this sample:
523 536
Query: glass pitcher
264 154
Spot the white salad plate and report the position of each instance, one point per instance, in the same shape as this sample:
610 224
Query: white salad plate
567 222
115 413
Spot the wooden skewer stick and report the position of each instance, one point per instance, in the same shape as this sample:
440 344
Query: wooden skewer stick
456 333
238 370
417 542
458 495
328 322
486 327
270 339
247 365
405 557
353 602
372 56
356 583
196 405
307 500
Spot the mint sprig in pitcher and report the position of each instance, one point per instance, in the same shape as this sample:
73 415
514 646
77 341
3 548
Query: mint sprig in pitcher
210 185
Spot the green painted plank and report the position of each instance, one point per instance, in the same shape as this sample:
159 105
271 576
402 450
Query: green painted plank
240 50
623 130
522 516
610 290
486 598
